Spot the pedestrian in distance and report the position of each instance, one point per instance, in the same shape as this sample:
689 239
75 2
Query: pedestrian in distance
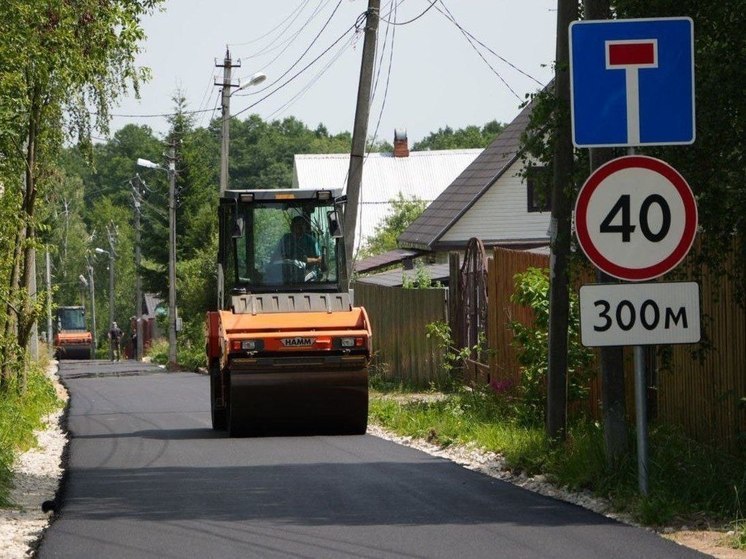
115 338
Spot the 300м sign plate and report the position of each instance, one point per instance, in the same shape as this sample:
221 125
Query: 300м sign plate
639 314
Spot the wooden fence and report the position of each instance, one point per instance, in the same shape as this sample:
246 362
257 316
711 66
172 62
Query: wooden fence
502 268
702 390
698 389
702 394
399 318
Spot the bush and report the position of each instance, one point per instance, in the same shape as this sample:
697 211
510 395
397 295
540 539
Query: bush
532 343
192 345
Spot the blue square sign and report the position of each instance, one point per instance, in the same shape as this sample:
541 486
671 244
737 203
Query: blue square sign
632 82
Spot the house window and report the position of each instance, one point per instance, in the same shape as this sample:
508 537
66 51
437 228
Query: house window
539 195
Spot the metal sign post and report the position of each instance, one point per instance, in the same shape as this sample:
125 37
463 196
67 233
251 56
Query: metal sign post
632 84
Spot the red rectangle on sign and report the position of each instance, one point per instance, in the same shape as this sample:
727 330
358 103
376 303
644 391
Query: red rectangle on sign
629 54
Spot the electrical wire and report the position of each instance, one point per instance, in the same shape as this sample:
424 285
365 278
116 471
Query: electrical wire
469 37
289 41
252 41
391 26
204 102
294 64
410 20
382 47
313 81
156 115
388 80
301 71
469 40
214 108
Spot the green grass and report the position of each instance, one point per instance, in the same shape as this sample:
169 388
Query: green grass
689 483
22 413
738 540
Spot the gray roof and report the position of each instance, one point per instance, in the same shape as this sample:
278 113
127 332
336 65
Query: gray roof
386 259
467 188
394 278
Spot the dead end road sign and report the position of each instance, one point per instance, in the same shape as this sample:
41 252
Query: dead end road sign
635 218
632 82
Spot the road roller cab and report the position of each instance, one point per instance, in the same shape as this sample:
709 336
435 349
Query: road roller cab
286 345
72 339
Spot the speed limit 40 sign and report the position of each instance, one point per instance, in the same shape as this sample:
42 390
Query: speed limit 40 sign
636 218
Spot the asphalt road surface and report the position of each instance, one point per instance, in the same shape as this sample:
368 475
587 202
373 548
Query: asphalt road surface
148 477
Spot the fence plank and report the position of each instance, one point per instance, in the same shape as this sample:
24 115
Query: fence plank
502 269
398 318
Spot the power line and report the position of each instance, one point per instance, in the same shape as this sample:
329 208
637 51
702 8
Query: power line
410 20
302 70
391 26
289 41
294 64
216 94
388 76
469 40
468 36
155 115
313 81
252 41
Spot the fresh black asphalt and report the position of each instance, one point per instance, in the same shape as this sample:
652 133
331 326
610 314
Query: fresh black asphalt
148 477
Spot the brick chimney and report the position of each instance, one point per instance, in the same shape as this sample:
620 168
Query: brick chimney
401 145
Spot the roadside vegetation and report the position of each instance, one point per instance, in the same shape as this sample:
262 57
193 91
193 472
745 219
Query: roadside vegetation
690 483
22 412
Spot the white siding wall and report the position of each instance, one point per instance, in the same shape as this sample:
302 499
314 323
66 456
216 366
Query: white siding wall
501 214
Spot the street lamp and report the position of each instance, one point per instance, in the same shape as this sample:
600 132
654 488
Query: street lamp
110 254
256 79
171 170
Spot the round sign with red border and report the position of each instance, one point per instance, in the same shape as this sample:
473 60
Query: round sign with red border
636 218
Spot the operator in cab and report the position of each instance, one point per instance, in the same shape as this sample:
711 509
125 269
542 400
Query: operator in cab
300 247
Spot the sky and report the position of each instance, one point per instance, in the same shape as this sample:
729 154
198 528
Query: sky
428 75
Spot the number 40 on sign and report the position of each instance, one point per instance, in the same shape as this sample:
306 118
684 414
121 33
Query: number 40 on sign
635 218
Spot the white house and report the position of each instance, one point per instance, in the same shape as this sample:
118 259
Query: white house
421 174
489 200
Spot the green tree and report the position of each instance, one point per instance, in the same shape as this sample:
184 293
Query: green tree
470 137
58 58
714 164
403 213
262 152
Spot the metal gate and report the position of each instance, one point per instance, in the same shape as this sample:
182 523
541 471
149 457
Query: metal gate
473 309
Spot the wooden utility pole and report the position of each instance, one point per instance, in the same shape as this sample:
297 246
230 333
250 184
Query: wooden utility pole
360 131
559 302
93 308
112 255
136 196
225 96
172 355
613 399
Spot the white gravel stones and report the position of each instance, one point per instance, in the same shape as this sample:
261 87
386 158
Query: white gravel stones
37 476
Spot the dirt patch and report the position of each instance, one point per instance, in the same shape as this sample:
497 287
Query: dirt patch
711 542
